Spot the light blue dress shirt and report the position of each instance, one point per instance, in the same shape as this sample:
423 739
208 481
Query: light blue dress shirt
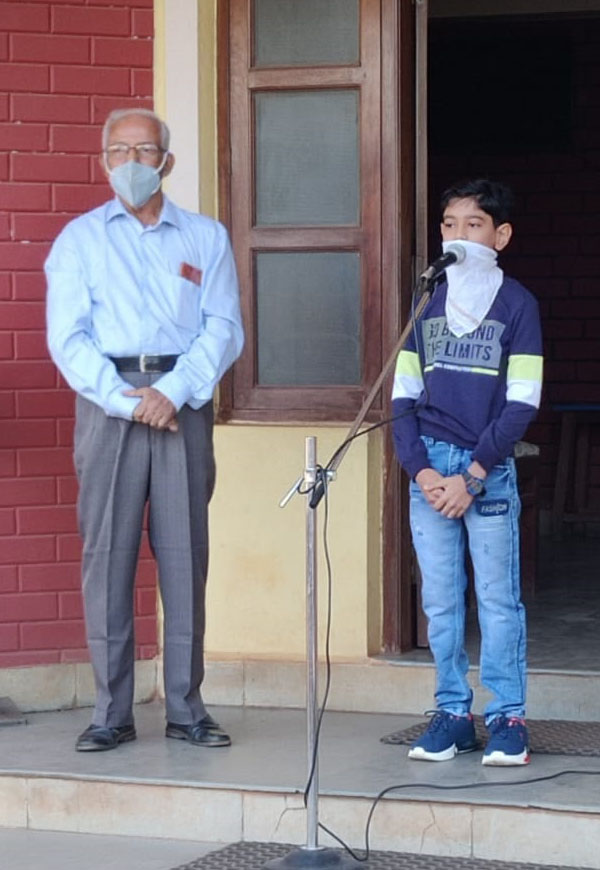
115 289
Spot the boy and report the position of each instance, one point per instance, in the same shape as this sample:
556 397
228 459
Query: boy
466 387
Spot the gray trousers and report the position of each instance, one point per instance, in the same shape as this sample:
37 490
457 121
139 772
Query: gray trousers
122 466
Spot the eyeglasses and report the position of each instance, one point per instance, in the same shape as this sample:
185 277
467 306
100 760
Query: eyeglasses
146 152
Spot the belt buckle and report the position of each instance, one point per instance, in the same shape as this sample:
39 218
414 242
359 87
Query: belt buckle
143 363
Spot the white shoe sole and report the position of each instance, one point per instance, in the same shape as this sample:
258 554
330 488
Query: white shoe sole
499 759
418 753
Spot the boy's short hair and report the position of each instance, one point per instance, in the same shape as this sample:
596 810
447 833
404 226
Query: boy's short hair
492 197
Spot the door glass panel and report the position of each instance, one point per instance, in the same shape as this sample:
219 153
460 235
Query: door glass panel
306 151
305 32
308 317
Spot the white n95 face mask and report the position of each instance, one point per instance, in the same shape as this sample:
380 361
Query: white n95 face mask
136 182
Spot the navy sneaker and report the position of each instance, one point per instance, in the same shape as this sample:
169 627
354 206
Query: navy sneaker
508 744
446 735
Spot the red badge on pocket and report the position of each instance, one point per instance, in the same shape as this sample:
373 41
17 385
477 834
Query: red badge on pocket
191 273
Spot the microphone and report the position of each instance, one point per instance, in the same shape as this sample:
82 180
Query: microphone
454 254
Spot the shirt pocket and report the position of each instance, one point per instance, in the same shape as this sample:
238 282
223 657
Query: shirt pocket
181 300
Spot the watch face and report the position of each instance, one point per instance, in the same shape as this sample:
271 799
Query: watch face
473 484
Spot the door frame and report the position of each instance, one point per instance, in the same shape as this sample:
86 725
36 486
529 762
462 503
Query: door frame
398 244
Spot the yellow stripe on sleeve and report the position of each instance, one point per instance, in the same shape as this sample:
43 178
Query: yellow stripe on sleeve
524 379
408 380
525 367
408 364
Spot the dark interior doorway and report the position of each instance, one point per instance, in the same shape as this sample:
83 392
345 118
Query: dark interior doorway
518 99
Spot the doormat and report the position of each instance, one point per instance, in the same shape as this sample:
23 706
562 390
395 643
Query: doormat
10 713
546 736
252 856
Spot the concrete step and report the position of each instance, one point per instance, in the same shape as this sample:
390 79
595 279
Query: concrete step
547 813
404 684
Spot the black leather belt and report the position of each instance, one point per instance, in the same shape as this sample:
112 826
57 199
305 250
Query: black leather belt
145 362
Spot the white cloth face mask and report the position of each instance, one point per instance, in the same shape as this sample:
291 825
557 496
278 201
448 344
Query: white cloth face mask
472 286
136 182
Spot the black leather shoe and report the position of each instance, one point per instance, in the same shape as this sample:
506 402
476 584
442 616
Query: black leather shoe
98 738
206 732
209 722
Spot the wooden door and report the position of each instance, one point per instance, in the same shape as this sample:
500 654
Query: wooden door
317 186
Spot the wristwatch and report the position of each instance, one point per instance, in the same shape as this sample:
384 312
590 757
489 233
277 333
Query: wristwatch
474 485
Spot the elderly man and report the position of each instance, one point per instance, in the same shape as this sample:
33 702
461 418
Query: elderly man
143 320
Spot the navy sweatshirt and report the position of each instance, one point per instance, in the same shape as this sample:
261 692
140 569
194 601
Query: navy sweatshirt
480 391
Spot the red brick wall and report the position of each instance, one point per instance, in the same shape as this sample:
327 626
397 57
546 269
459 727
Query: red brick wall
556 247
63 67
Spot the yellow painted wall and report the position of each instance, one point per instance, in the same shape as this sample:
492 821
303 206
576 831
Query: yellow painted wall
256 590
256 587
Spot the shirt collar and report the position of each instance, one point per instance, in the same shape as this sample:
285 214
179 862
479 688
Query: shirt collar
168 215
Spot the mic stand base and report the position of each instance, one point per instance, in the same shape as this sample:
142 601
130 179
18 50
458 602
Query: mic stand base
318 858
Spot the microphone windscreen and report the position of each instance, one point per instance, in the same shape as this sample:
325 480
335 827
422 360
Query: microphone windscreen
459 251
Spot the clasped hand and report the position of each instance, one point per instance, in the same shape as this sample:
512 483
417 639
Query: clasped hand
154 409
447 495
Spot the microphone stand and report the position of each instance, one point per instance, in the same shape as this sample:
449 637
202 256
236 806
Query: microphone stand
312 855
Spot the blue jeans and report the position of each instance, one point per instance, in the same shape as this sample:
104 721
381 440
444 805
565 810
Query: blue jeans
490 528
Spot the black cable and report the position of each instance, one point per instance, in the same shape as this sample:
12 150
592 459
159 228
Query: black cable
436 786
366 432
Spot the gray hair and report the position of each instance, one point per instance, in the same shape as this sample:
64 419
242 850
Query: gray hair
118 114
